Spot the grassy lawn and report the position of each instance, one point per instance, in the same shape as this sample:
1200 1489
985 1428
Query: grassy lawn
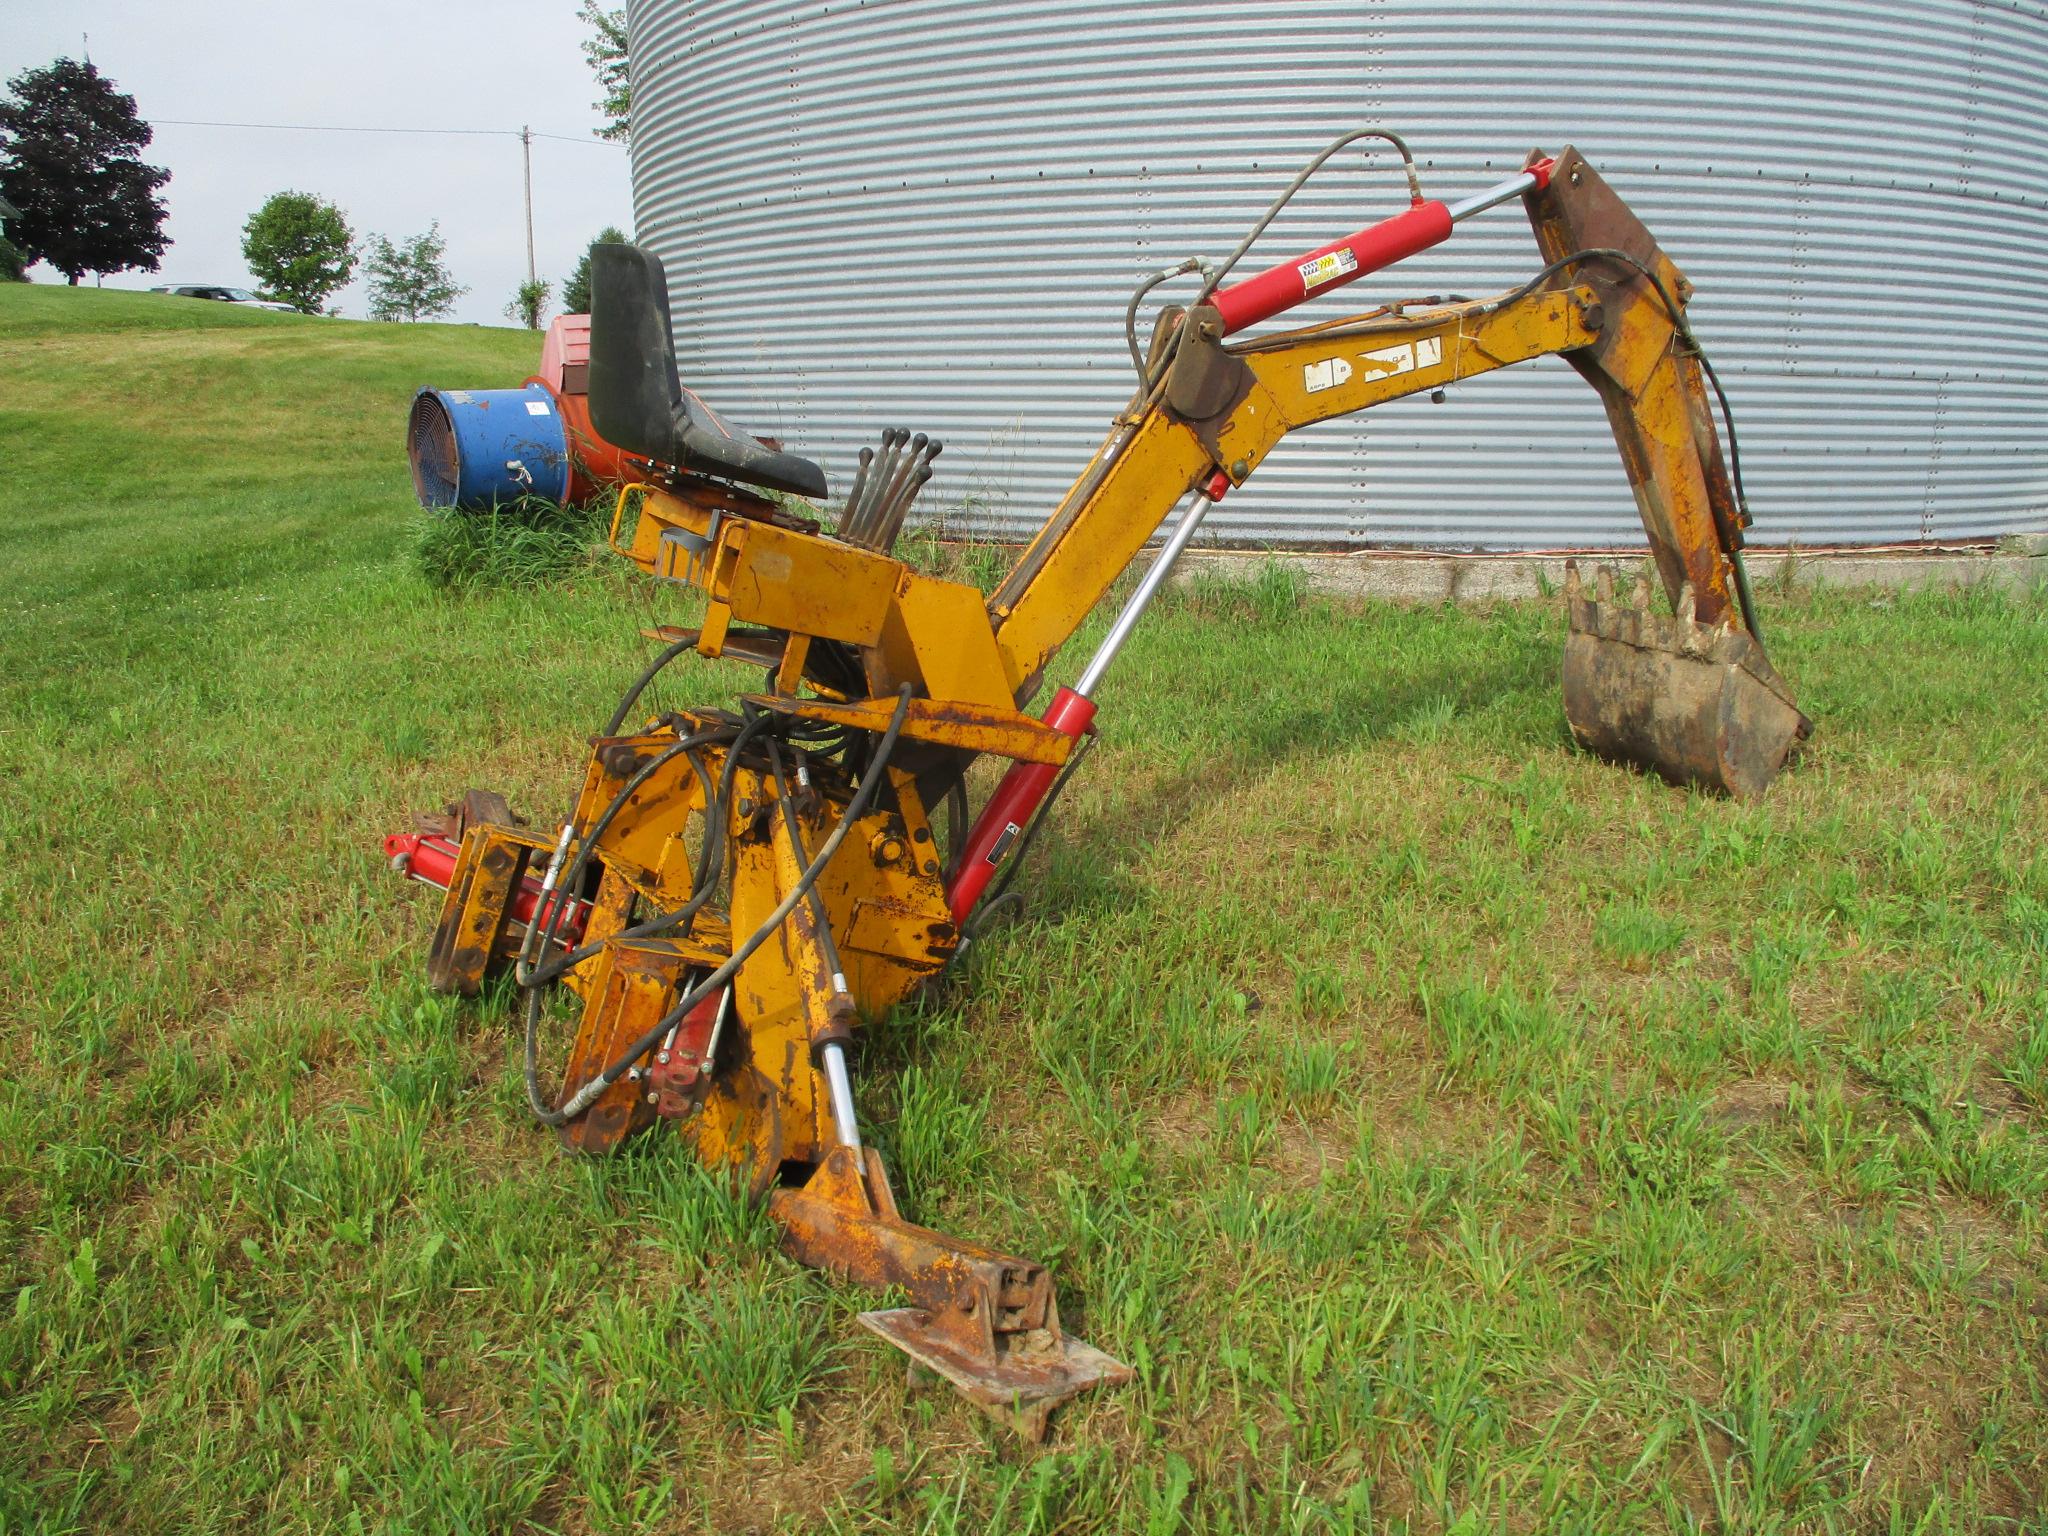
1456 1133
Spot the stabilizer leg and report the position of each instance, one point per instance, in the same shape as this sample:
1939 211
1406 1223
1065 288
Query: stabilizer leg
985 1321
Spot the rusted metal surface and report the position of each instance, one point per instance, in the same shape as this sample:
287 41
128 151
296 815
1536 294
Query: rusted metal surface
682 1062
1693 703
985 1321
1652 393
471 939
1205 383
477 807
635 982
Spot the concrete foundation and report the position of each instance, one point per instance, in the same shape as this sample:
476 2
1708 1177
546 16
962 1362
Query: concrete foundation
1429 577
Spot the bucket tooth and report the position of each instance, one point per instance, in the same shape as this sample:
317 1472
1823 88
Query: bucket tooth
1695 704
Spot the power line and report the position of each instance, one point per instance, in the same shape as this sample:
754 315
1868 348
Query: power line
492 133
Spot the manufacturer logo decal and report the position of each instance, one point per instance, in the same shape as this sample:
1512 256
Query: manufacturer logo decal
1381 363
1328 374
1405 358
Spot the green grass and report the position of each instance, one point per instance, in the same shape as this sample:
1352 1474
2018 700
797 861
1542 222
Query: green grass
526 543
1455 1133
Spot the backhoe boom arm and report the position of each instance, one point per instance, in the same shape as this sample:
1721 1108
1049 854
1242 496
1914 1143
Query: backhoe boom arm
1615 313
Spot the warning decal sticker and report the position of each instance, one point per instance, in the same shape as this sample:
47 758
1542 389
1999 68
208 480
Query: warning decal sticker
1327 269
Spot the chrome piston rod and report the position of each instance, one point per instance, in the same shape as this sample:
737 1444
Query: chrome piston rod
1148 588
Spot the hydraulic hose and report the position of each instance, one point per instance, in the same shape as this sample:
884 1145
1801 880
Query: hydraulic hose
523 970
704 883
588 1094
831 1052
668 654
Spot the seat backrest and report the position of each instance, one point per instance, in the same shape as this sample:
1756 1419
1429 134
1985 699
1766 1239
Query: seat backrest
637 400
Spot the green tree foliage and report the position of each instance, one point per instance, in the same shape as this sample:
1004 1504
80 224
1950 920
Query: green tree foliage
68 142
576 288
300 249
13 265
605 49
408 278
529 302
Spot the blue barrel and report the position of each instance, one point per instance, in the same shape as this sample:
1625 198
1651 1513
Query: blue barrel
473 448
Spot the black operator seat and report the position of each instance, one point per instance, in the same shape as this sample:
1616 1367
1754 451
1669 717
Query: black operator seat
715 446
637 400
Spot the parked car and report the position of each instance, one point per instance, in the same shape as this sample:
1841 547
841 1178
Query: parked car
223 294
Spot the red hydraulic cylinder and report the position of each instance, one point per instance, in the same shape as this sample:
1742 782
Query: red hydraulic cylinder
1072 713
1010 808
431 861
1332 266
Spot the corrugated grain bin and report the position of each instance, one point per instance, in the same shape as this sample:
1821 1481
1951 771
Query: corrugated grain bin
927 214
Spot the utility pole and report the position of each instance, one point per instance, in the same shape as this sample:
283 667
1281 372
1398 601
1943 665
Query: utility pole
526 154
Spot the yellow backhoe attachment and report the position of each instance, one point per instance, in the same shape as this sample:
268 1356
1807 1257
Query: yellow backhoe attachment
737 893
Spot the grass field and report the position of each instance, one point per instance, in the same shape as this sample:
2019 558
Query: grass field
1457 1134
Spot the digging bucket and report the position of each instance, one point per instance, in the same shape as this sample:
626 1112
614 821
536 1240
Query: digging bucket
1692 703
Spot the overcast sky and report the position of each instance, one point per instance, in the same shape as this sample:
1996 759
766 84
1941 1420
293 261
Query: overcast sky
367 63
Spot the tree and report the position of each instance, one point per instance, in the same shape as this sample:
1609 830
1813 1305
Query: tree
605 49
408 280
13 265
300 249
530 302
576 288
87 204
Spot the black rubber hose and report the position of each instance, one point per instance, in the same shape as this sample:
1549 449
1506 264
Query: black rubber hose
560 896
703 884
653 669
956 825
826 942
588 1094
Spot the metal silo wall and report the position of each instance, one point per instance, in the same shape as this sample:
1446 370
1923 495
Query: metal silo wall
928 214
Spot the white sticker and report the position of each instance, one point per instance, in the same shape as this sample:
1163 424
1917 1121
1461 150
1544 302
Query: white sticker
536 407
1405 358
1327 268
1328 374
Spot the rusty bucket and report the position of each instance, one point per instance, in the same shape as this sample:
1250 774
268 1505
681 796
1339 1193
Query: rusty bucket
1692 703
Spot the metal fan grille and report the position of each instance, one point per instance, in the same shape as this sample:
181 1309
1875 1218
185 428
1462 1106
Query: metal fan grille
430 445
